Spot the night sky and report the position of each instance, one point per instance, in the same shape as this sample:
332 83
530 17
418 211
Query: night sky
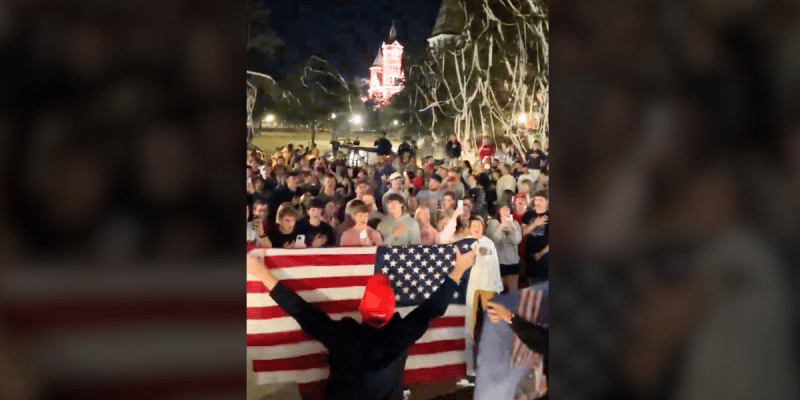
348 33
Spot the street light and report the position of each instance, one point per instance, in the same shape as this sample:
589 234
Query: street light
356 119
333 115
522 118
395 122
270 118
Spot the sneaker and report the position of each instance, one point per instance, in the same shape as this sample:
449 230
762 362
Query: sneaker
465 383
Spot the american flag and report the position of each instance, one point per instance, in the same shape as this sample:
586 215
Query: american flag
534 307
127 334
333 279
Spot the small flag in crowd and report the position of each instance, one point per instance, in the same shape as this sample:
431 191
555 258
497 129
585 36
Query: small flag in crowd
333 280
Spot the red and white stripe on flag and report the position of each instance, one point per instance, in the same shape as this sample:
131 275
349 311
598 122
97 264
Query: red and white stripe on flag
132 334
333 280
530 301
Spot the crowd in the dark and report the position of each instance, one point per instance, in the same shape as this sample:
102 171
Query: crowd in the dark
299 198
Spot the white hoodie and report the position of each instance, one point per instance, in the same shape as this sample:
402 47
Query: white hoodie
484 275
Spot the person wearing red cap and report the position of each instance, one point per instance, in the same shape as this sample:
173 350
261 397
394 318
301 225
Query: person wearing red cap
366 359
520 203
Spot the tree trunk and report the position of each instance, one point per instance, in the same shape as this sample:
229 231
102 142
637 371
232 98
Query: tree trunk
313 131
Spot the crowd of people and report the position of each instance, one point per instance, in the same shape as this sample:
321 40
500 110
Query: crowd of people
420 194
426 193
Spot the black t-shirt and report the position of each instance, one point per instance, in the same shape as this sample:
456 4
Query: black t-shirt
535 159
281 195
280 239
312 231
540 237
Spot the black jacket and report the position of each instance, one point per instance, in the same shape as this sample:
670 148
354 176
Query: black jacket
365 362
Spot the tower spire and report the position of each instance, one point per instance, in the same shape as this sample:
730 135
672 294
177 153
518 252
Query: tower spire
392 33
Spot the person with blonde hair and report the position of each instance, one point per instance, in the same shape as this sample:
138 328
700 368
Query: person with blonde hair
287 229
361 234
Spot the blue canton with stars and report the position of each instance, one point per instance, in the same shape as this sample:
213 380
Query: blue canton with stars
417 271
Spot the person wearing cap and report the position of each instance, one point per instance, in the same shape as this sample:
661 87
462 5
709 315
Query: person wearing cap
366 359
397 227
520 204
396 185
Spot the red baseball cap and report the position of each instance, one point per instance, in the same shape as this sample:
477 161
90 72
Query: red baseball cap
377 305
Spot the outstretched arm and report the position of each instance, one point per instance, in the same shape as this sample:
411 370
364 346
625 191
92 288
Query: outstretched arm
314 322
416 322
